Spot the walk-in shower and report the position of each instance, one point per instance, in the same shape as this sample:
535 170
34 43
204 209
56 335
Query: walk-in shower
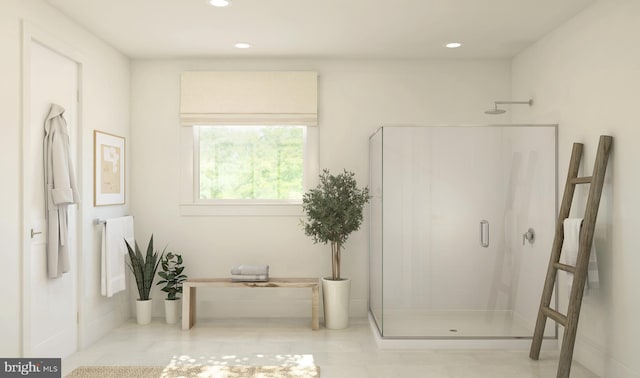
462 221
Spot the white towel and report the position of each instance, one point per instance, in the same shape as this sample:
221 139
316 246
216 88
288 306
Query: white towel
250 269
249 277
572 227
113 252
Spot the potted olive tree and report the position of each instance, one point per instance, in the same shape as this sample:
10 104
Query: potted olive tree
144 270
172 277
334 209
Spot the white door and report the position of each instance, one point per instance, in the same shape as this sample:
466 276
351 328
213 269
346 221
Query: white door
50 316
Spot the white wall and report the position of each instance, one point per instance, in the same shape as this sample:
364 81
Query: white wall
105 100
585 76
355 97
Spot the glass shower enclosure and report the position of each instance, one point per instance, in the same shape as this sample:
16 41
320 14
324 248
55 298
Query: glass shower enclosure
462 221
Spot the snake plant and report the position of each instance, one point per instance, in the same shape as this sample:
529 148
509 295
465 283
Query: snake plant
144 268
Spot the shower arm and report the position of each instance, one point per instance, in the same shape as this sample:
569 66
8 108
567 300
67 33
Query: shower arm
530 102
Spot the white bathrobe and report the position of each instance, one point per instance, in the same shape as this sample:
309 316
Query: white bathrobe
60 190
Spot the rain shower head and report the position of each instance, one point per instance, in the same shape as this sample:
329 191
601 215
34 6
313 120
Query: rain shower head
495 109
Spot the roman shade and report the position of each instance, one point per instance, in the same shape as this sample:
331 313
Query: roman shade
241 98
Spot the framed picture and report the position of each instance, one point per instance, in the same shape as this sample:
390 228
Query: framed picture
108 169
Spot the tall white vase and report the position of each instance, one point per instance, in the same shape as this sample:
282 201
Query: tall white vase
172 310
335 298
143 311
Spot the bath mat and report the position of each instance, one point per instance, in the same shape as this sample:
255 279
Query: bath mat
196 371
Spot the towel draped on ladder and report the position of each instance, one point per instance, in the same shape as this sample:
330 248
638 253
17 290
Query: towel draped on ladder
572 227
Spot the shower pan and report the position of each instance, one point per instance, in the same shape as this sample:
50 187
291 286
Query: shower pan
453 214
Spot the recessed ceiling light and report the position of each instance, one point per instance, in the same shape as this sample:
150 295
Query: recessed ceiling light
242 45
220 3
453 45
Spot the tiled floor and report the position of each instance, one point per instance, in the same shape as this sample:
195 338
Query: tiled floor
351 352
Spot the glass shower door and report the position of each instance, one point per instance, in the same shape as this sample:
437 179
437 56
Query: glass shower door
375 228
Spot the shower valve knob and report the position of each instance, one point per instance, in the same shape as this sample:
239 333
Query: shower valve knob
529 236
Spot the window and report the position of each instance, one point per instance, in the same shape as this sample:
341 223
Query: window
248 142
246 170
264 163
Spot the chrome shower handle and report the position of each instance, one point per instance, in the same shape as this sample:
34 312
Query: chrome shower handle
529 236
484 233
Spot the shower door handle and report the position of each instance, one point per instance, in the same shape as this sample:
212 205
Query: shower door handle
484 233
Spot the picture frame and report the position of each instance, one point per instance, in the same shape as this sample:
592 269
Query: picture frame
108 169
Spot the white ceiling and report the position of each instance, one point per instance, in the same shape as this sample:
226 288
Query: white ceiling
321 28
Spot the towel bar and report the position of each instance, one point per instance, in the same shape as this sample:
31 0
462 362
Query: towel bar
98 221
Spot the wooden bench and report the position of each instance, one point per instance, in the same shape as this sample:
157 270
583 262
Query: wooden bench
189 294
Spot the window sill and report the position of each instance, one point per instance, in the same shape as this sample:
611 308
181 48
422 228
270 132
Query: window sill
241 210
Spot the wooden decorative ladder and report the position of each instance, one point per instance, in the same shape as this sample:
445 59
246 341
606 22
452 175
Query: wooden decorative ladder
570 320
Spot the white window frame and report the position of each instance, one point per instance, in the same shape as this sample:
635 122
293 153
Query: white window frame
192 205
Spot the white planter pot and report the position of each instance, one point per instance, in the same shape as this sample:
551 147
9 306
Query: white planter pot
172 310
335 298
143 311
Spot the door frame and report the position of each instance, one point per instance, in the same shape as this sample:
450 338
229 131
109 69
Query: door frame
31 34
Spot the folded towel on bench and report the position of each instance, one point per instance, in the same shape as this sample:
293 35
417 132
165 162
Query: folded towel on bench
249 277
250 270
